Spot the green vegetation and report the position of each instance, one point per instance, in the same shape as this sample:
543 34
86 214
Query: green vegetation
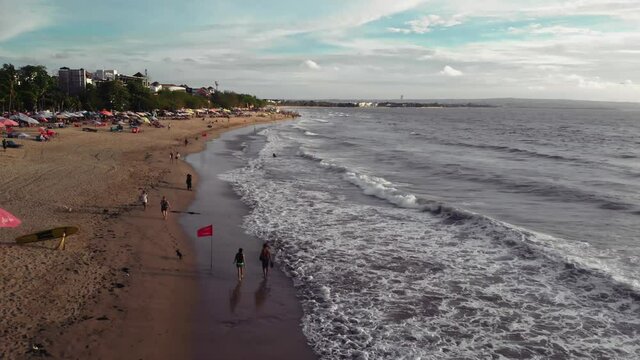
30 88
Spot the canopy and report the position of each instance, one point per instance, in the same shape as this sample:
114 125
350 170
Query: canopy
45 113
24 118
106 113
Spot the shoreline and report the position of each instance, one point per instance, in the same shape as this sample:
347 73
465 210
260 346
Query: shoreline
256 312
118 289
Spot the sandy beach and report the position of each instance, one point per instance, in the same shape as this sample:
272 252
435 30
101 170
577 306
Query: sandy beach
118 290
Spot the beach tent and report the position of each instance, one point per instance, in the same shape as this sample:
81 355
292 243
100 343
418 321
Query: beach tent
24 118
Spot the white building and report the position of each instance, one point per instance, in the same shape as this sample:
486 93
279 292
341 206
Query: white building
105 75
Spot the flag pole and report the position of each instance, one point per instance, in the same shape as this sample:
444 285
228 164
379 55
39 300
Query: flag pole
211 242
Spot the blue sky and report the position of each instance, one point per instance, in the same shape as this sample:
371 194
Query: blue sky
351 49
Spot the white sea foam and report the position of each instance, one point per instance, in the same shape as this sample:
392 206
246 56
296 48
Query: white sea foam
392 282
383 189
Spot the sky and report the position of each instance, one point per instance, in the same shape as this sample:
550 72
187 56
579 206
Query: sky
343 49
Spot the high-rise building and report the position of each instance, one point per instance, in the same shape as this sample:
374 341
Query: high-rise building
105 75
72 81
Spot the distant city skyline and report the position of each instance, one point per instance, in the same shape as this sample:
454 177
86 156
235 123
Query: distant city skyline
336 49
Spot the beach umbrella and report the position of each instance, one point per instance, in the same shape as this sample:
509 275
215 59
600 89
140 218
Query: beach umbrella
24 118
7 219
8 122
106 113
145 120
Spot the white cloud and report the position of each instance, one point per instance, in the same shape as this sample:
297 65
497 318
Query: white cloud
537 29
586 82
21 16
426 23
399 30
449 71
310 64
361 12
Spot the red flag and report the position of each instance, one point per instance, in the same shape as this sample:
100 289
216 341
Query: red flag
205 231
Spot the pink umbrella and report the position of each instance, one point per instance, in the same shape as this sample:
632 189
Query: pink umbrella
8 122
8 220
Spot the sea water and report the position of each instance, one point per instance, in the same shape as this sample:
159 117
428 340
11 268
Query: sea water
454 233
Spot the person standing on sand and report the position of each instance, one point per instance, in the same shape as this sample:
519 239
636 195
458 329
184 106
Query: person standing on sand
266 260
239 261
177 155
171 157
164 207
144 199
186 141
189 182
4 144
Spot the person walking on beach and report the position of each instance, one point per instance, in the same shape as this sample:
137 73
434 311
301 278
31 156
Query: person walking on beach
4 144
186 141
239 261
177 155
189 182
144 199
164 207
266 260
171 157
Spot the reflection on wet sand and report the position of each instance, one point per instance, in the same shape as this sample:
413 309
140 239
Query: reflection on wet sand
261 294
234 298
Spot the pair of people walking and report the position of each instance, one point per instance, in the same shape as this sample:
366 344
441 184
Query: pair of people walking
164 203
266 259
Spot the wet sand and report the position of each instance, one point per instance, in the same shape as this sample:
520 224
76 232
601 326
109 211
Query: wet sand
118 290
255 317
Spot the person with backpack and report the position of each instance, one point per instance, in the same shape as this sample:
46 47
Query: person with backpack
266 259
239 261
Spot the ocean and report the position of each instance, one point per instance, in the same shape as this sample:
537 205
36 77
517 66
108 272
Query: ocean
454 233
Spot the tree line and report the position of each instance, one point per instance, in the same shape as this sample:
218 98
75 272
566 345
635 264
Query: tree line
31 88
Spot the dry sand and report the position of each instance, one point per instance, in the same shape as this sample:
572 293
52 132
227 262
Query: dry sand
118 291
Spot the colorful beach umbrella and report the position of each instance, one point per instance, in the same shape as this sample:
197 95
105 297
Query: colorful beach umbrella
7 219
24 118
8 122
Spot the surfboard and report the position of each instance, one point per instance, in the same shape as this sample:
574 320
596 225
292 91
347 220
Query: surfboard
54 233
